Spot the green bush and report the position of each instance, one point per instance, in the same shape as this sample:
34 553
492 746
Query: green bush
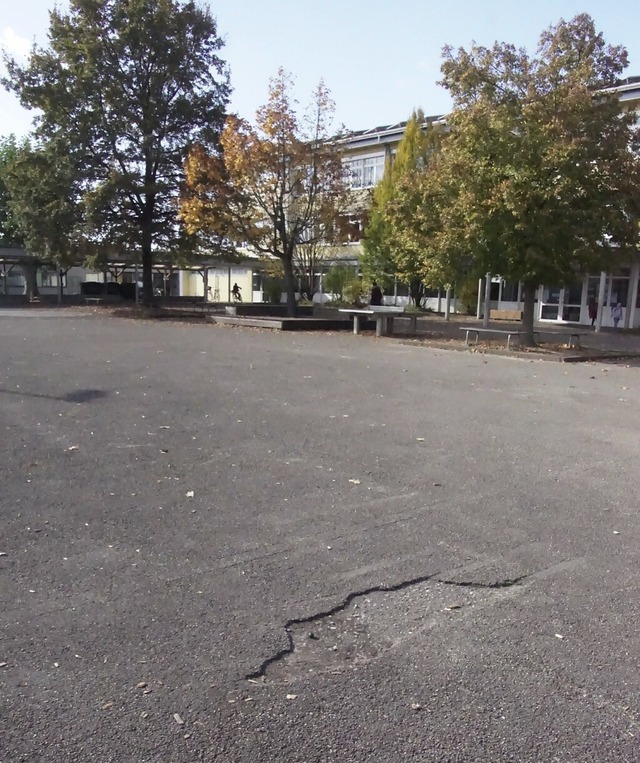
354 292
467 294
336 280
274 288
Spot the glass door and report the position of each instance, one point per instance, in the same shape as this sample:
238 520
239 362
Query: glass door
550 303
572 303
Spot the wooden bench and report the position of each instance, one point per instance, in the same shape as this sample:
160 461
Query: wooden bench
95 300
383 316
505 315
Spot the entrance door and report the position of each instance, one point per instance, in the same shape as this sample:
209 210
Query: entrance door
571 303
561 303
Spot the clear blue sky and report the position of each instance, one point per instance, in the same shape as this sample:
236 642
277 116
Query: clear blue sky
379 58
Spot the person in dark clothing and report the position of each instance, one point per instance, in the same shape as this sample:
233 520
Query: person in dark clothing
593 311
376 295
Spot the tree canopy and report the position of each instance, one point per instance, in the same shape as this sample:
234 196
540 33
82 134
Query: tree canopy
390 249
538 178
278 184
127 86
9 232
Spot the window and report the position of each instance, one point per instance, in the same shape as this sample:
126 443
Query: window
49 277
510 291
366 172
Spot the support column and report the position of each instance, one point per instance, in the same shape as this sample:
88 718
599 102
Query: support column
487 300
395 292
205 278
447 304
439 310
632 295
479 306
603 280
59 275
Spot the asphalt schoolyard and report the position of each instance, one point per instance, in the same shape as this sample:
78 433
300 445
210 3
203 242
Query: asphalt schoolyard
224 544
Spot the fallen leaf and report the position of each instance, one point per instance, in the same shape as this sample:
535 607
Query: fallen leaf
178 719
560 636
3 553
616 532
419 439
355 482
73 447
416 706
141 685
164 426
190 494
3 664
107 705
292 696
144 715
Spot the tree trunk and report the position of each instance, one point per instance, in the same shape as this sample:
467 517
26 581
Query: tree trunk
289 285
30 272
147 269
529 300
415 292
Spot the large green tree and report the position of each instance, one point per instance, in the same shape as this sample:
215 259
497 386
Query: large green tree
9 233
279 183
128 86
539 177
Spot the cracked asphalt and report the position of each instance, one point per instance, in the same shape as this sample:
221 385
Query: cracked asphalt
223 544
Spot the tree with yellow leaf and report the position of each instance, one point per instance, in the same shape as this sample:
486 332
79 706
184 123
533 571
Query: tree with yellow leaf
276 185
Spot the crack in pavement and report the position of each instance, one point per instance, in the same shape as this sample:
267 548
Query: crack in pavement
288 650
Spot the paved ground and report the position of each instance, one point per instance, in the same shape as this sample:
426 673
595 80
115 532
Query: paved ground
231 545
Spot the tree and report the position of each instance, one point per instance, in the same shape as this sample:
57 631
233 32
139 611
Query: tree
540 173
41 183
9 234
337 280
278 185
128 86
385 256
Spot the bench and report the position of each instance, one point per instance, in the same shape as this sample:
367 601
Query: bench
95 300
383 317
505 315
574 336
477 331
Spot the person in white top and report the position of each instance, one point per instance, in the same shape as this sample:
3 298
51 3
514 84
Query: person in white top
616 314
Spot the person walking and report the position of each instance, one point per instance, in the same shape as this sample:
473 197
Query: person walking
376 295
616 314
593 311
236 293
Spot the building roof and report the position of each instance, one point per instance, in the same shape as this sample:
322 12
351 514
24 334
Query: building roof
629 89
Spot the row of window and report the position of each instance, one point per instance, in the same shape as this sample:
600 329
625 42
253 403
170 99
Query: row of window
366 172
